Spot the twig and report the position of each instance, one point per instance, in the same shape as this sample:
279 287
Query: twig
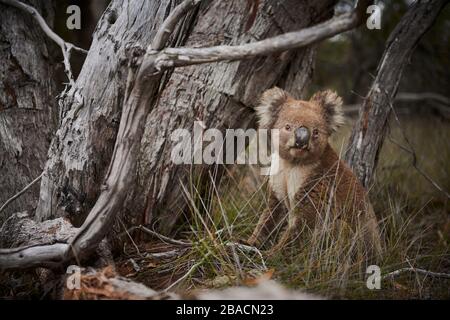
131 238
20 192
186 243
66 47
416 270
162 237
166 254
190 271
245 247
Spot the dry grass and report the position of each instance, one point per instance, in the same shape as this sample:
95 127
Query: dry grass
414 219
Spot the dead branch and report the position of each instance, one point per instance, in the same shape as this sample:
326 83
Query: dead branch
416 270
143 91
163 238
179 57
66 47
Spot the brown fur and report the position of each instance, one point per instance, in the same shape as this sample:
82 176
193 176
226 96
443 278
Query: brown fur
312 182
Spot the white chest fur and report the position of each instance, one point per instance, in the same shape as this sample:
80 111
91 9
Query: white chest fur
287 178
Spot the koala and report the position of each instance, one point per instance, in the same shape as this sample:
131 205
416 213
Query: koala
309 181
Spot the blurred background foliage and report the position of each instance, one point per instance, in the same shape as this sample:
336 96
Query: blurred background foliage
348 62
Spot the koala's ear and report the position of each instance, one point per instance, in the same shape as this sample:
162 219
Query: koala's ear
331 104
269 106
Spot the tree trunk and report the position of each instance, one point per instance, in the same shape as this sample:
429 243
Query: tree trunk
28 109
369 131
81 151
221 95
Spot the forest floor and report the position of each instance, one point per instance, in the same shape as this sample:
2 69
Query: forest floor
414 219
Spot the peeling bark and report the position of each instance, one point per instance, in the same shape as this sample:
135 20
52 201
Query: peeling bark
20 230
81 151
28 109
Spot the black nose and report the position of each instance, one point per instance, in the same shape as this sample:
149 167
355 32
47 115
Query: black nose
301 137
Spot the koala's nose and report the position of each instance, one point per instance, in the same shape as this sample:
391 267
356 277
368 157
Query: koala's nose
301 137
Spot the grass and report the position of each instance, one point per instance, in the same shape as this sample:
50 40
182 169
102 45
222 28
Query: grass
414 219
413 215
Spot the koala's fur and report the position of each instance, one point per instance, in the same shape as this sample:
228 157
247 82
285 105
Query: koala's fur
311 181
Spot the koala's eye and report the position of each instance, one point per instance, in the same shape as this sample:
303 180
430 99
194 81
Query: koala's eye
316 133
287 127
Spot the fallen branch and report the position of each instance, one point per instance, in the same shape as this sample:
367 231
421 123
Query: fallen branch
66 47
416 270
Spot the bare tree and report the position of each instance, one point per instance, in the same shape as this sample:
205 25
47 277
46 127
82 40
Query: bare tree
369 131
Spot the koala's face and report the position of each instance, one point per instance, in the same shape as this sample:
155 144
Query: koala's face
303 126
303 133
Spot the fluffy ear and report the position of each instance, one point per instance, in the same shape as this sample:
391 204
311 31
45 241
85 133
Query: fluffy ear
331 104
269 106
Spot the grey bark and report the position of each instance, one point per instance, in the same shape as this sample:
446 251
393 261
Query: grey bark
142 91
28 109
21 230
81 151
222 95
368 133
